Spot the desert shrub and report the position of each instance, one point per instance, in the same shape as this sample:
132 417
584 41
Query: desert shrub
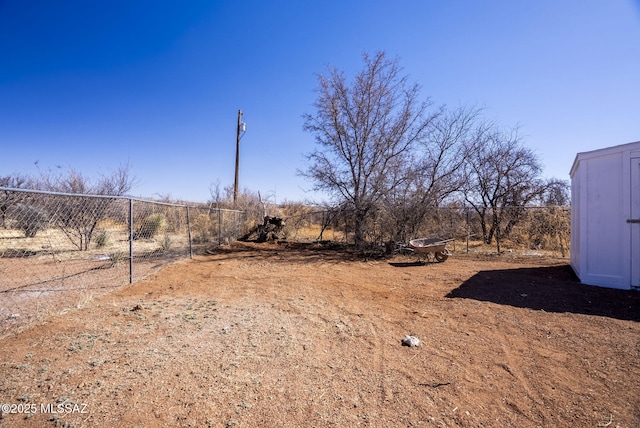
175 219
117 257
30 219
151 226
166 243
102 238
550 229
202 228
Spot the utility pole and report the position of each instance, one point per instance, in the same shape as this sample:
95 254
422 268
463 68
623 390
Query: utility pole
239 132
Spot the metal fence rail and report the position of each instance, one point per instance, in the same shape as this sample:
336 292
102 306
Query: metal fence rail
58 251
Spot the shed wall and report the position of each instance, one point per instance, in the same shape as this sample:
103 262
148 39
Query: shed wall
600 234
576 248
603 220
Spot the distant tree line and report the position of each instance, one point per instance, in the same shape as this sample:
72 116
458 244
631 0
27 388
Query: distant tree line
76 217
382 149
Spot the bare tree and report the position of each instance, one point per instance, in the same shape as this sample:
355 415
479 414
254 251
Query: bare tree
77 216
435 172
9 198
443 153
557 193
502 177
215 190
366 131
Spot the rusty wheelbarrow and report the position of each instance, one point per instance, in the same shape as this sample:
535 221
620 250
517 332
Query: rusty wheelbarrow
425 246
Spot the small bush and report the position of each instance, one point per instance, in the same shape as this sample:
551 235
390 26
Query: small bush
117 257
202 228
30 219
102 239
151 226
166 243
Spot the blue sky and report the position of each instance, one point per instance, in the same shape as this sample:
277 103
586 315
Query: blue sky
158 84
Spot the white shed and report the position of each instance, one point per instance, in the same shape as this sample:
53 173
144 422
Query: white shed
605 216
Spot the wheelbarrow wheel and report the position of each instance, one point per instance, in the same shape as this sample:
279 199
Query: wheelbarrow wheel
441 256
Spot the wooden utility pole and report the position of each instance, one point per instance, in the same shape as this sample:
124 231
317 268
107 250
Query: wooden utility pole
238 135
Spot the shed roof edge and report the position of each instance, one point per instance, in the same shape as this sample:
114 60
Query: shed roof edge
602 151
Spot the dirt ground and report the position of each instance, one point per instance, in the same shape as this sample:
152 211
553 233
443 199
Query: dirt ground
299 335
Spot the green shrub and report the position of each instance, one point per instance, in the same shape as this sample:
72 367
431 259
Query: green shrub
151 226
102 238
117 257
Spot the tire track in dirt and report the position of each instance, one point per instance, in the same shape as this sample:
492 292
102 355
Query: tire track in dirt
512 367
378 365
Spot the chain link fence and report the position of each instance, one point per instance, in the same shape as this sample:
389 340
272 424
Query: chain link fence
59 251
529 230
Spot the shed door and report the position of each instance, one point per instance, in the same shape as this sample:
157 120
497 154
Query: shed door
635 222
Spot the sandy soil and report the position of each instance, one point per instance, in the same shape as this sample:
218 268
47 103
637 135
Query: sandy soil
298 335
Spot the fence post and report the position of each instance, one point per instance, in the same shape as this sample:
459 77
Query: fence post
130 241
219 226
467 210
189 233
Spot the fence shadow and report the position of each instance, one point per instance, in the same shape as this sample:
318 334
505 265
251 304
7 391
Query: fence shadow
552 289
